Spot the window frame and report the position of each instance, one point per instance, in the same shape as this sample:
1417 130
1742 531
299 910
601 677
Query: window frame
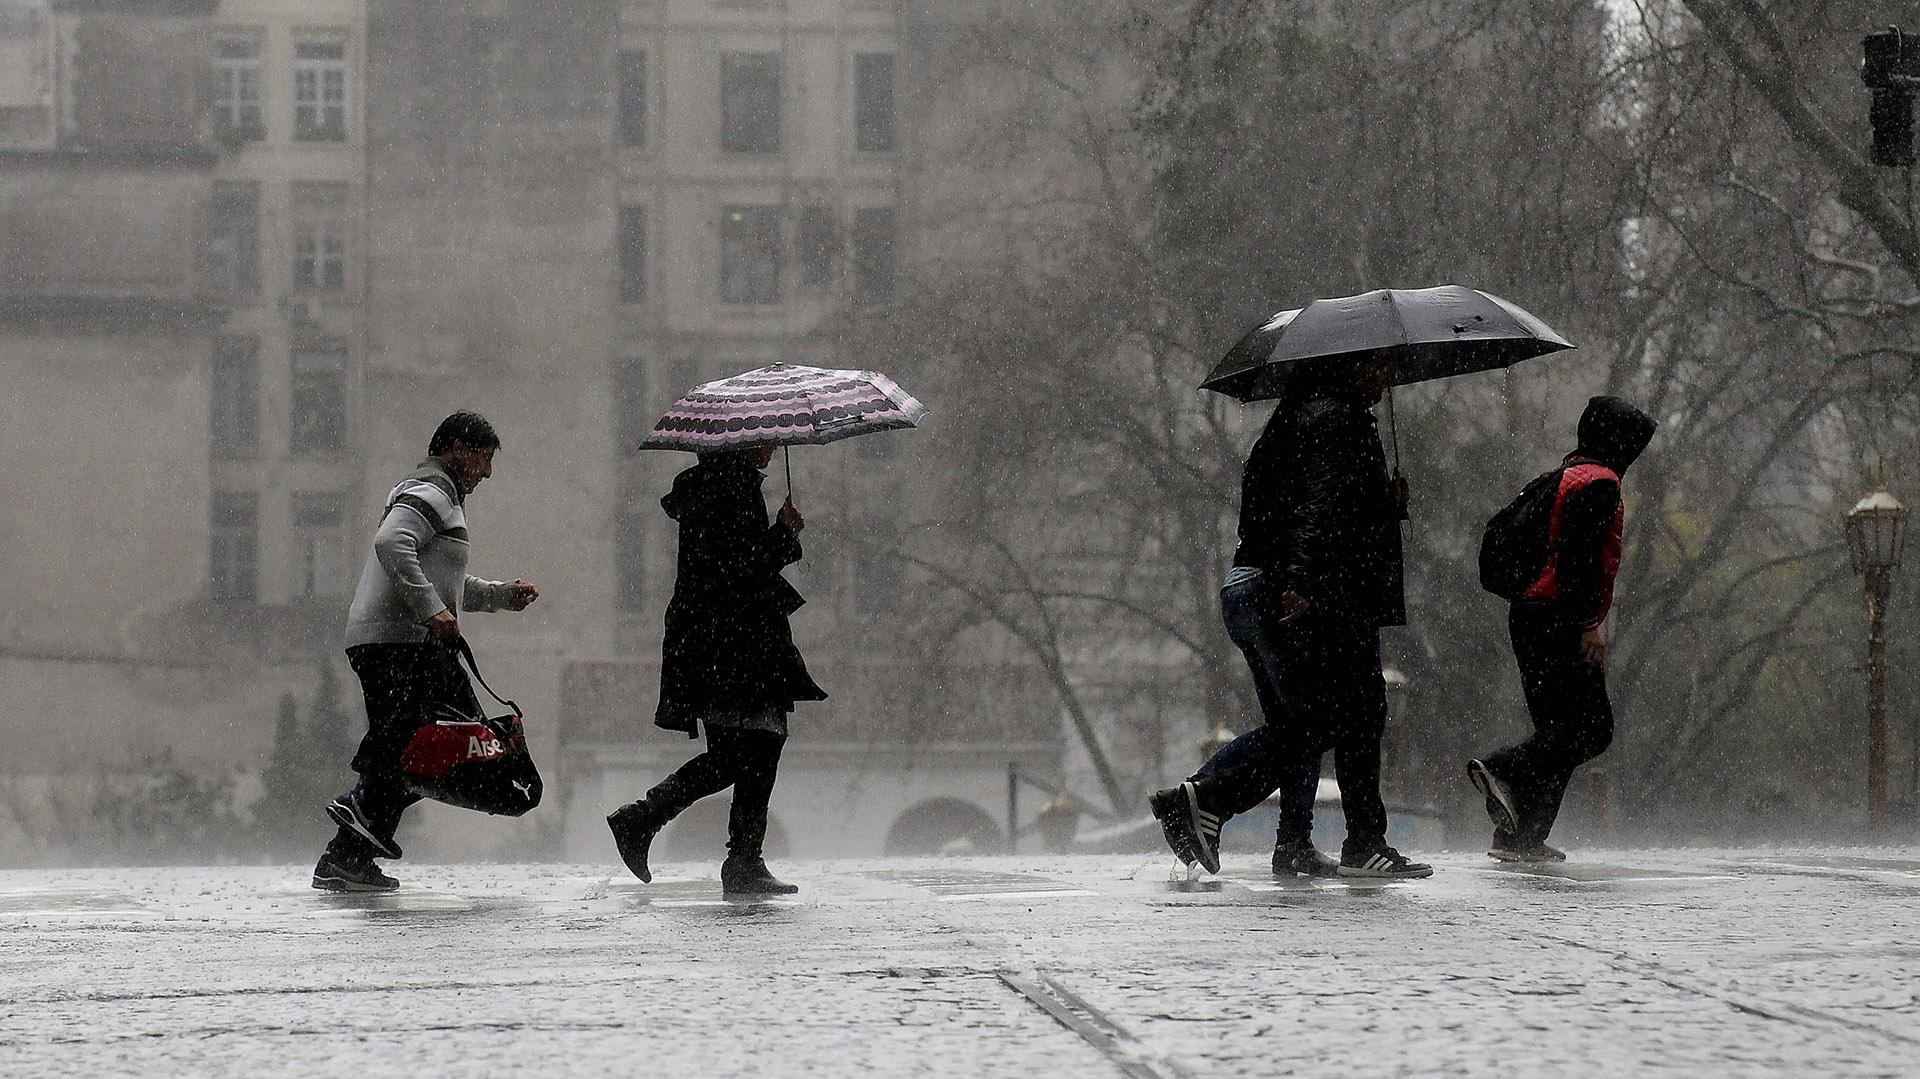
320 251
233 547
231 76
327 436
630 257
632 97
885 122
736 285
319 549
736 114
232 267
233 406
867 260
316 99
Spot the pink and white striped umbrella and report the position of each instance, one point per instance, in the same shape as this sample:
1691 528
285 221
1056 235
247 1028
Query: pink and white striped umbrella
784 405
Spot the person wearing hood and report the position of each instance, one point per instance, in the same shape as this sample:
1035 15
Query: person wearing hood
728 661
1558 628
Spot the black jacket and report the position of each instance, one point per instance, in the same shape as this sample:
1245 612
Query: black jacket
1317 511
1612 433
728 645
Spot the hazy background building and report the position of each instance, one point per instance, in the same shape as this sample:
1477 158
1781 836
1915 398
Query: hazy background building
251 251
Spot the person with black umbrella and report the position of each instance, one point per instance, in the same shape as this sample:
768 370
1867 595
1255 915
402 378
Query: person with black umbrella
1317 574
1318 571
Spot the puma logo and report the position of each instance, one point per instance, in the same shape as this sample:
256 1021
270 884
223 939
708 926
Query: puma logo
523 787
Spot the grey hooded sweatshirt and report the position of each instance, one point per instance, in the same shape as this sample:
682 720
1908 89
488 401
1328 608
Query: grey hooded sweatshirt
418 565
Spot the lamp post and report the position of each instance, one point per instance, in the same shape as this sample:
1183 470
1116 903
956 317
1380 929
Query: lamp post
1875 528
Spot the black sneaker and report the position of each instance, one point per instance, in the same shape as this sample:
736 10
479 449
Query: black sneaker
345 811
633 826
1505 849
1192 832
336 874
1498 795
1382 861
1302 860
750 876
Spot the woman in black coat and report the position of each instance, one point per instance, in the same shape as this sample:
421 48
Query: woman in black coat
728 660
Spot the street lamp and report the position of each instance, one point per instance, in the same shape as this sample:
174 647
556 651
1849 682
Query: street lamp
1875 528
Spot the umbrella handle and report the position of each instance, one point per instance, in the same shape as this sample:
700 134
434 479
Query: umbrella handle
788 452
1393 431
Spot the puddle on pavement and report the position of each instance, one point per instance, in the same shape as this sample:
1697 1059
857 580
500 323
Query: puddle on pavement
1593 873
1905 867
961 884
65 901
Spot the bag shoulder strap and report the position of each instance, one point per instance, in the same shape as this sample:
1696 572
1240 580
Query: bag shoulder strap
466 651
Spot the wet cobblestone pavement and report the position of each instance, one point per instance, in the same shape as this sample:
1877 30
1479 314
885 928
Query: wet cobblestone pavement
1636 962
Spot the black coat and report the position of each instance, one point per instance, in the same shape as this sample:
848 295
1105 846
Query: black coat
728 646
1317 512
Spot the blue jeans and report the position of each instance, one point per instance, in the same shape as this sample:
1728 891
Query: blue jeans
1319 686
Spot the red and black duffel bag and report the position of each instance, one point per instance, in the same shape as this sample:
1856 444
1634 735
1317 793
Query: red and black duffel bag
474 762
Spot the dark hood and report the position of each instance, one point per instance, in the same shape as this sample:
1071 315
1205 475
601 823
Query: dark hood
1614 432
719 479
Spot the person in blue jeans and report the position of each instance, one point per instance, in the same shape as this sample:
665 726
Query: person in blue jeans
1317 574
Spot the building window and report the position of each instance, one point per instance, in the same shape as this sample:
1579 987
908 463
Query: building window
750 254
320 91
750 102
319 540
233 239
873 256
233 550
633 254
319 399
633 418
873 101
233 414
816 243
633 99
320 237
237 73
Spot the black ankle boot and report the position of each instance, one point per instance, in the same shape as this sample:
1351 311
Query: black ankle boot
634 825
749 875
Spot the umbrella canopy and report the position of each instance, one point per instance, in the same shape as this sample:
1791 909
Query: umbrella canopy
784 405
1422 334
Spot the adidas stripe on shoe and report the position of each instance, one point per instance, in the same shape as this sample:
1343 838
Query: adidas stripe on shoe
1499 796
1383 862
345 811
1192 832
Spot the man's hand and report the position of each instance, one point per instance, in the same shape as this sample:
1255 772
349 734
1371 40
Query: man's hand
445 627
1401 493
790 516
521 594
1292 606
1593 646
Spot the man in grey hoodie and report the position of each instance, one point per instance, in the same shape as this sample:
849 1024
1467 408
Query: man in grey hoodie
399 630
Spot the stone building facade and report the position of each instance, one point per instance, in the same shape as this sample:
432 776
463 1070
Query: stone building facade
252 250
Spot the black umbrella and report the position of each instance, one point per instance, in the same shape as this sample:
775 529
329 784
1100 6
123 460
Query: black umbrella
1421 334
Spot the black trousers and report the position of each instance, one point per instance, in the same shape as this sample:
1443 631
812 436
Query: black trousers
1572 718
746 760
406 686
1320 689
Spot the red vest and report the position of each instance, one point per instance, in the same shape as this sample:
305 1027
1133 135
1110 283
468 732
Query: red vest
1576 476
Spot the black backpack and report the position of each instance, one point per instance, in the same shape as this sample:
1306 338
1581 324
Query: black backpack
1513 548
